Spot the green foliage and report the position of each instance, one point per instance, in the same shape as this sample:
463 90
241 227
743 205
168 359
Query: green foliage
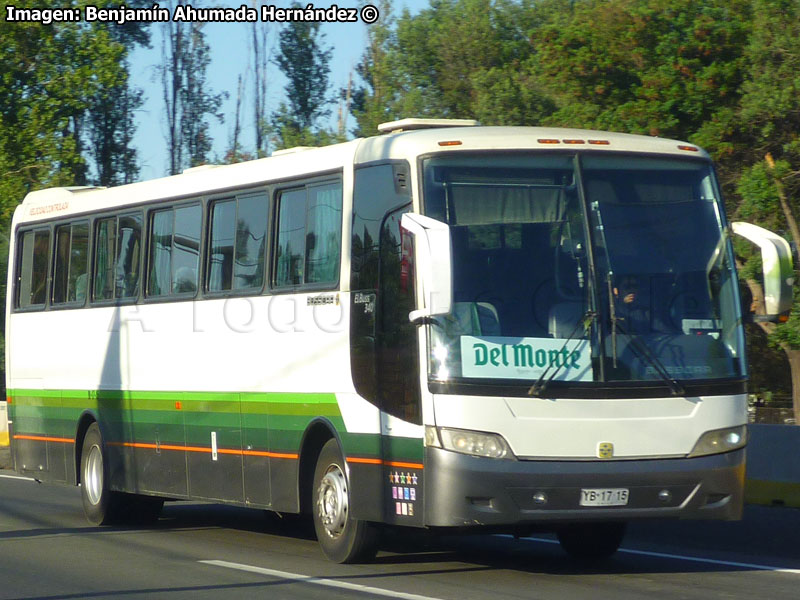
643 66
286 133
66 109
457 58
304 60
189 100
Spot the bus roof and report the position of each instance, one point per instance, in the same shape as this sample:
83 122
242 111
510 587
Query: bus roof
410 143
406 144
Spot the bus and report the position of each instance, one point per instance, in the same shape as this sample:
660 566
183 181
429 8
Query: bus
445 326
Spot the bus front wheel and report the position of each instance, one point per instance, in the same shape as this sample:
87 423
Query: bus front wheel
591 541
342 538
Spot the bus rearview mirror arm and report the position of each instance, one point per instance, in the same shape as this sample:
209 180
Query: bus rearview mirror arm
434 261
776 259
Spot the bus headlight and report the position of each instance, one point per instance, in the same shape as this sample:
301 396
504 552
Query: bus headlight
474 443
720 440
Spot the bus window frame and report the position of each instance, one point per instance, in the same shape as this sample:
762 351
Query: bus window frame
260 290
294 185
20 233
127 212
52 304
146 298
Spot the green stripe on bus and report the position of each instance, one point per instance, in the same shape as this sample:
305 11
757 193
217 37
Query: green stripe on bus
265 421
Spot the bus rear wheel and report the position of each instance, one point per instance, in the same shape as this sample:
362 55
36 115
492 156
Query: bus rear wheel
591 541
342 538
101 505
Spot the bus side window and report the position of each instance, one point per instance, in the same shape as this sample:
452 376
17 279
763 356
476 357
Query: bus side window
291 234
34 257
71 265
105 241
238 243
127 266
174 251
309 240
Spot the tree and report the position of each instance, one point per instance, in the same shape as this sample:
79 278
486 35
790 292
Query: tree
372 100
457 58
187 96
260 49
304 60
648 66
765 141
61 89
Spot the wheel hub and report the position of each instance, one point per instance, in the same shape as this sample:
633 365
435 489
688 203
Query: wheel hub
93 475
332 501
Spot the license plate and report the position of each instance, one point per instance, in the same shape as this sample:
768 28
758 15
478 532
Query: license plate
604 497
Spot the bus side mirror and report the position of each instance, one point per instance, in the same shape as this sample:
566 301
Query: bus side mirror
776 258
434 260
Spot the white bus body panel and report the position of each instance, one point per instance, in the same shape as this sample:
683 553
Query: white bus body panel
573 428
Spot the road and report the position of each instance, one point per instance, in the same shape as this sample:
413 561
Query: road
48 551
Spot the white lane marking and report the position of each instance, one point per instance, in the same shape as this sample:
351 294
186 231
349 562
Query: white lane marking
17 477
365 589
699 559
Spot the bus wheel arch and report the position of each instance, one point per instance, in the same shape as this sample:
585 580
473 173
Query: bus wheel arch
315 437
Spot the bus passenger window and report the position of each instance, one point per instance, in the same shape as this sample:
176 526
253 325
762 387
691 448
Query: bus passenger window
324 235
251 242
186 249
128 261
238 243
117 257
174 251
309 235
105 240
72 250
158 282
32 268
223 234
291 234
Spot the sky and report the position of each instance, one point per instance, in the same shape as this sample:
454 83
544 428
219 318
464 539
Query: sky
230 57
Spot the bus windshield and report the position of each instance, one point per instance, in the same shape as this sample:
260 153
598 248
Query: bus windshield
583 268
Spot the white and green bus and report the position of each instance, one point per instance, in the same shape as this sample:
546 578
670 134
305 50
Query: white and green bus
445 326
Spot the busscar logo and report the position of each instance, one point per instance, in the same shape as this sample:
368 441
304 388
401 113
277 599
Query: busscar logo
605 450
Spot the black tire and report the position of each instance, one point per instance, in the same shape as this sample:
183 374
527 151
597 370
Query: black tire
342 538
591 541
101 505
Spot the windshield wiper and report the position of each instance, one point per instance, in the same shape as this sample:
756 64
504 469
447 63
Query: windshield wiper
538 388
642 351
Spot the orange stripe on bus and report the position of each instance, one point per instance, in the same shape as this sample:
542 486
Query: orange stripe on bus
365 461
229 451
204 450
404 465
43 438
388 463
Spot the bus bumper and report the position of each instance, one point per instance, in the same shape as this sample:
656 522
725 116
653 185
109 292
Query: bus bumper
466 491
